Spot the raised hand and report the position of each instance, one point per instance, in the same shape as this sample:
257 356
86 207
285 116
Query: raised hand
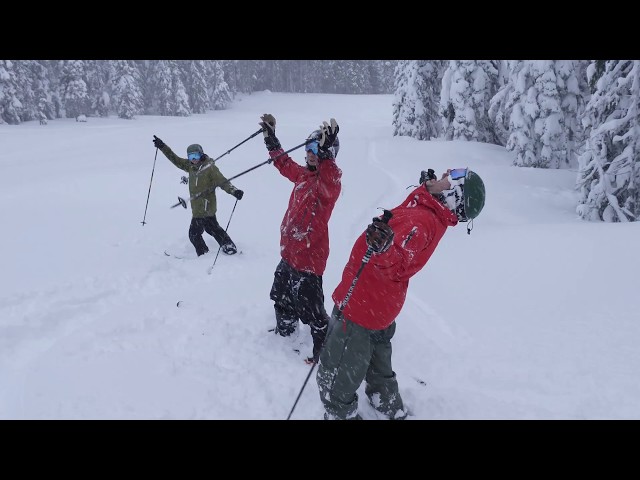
268 124
329 133
157 142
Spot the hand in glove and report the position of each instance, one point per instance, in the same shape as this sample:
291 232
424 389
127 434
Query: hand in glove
329 135
184 180
269 131
157 142
379 236
428 175
238 194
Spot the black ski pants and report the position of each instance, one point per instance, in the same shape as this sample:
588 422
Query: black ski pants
299 296
212 227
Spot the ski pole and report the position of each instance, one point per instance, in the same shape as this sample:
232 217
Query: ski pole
216 259
229 151
386 216
183 202
152 170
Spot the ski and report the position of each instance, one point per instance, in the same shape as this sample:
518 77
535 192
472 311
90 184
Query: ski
180 257
174 256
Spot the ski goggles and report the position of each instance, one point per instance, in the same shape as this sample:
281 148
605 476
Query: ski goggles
457 176
312 147
194 156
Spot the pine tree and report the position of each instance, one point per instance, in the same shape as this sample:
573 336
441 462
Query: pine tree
74 88
41 85
99 74
501 104
197 86
467 88
10 105
167 87
574 93
25 93
416 98
609 169
127 95
220 94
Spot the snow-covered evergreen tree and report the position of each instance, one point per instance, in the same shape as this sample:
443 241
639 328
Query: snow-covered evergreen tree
166 103
170 91
197 86
99 74
127 95
220 96
74 88
42 90
501 104
26 95
180 93
416 99
10 105
467 88
609 169
536 112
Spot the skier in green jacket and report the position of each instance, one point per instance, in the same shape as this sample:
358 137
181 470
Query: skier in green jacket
203 176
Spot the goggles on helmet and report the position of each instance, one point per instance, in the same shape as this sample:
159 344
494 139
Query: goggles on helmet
194 156
312 147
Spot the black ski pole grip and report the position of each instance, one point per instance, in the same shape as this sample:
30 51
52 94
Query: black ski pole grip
386 216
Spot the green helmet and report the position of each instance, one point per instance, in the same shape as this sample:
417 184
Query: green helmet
466 196
195 148
474 195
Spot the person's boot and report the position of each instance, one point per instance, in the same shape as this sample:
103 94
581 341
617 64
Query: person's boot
229 248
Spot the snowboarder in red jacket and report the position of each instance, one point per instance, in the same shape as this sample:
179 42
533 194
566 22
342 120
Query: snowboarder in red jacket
362 324
304 233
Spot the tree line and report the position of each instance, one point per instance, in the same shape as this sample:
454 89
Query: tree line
575 114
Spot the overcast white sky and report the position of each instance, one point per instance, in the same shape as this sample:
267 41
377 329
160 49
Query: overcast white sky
532 316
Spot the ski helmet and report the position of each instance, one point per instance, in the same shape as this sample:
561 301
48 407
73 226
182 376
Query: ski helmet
195 148
466 196
317 135
194 153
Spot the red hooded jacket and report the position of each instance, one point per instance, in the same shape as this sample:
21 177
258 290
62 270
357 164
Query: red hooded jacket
418 224
304 232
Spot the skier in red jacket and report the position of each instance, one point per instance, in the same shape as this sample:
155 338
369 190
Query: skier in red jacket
304 232
362 324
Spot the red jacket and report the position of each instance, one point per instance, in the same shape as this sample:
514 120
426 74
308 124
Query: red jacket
418 223
304 232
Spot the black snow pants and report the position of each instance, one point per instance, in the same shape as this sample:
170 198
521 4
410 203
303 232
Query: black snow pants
299 296
213 228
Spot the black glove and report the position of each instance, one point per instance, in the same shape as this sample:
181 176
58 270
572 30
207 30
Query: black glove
157 142
329 134
269 131
238 194
428 175
379 236
184 180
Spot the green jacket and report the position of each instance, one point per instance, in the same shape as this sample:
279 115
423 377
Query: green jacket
204 206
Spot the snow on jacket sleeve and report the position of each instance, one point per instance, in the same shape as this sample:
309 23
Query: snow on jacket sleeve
286 166
330 177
